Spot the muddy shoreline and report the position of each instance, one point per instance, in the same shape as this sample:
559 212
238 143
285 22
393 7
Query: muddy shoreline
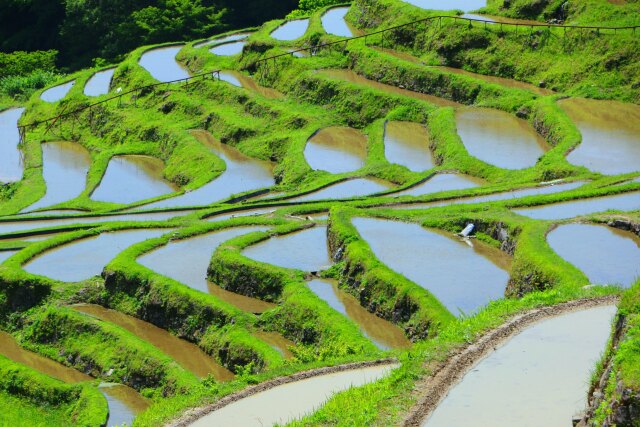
433 389
192 415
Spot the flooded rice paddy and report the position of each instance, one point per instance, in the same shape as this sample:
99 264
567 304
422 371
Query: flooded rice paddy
351 188
240 80
305 250
10 156
224 39
442 182
242 174
515 84
439 262
56 93
607 256
384 334
336 150
99 83
620 202
64 169
187 262
288 402
334 23
228 49
131 178
162 65
499 138
352 77
277 342
124 404
188 355
610 135
291 30
538 378
85 258
407 144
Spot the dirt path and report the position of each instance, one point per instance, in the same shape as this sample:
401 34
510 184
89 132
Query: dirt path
194 414
434 388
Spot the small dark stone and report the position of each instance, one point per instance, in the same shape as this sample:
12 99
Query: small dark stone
167 107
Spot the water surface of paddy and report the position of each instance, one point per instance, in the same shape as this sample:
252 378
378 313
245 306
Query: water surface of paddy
288 402
56 93
228 49
384 334
620 202
85 258
224 39
505 195
334 23
464 276
124 404
305 250
610 135
352 77
187 262
240 80
129 179
352 188
606 255
336 150
99 83
463 5
407 144
243 174
10 157
64 169
162 65
188 355
499 138
291 30
442 182
538 378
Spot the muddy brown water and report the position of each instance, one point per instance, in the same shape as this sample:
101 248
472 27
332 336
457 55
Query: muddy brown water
336 150
352 188
240 80
499 138
85 258
56 93
243 174
442 182
188 355
11 165
291 401
124 402
620 202
21 224
187 261
407 144
131 178
64 169
305 250
99 83
516 84
352 77
278 342
228 49
505 195
463 275
606 255
291 30
162 65
224 39
463 5
610 135
538 378
385 335
334 23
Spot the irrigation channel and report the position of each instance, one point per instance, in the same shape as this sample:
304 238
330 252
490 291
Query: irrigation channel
268 225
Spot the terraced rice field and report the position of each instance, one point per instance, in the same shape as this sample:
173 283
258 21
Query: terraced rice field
317 239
